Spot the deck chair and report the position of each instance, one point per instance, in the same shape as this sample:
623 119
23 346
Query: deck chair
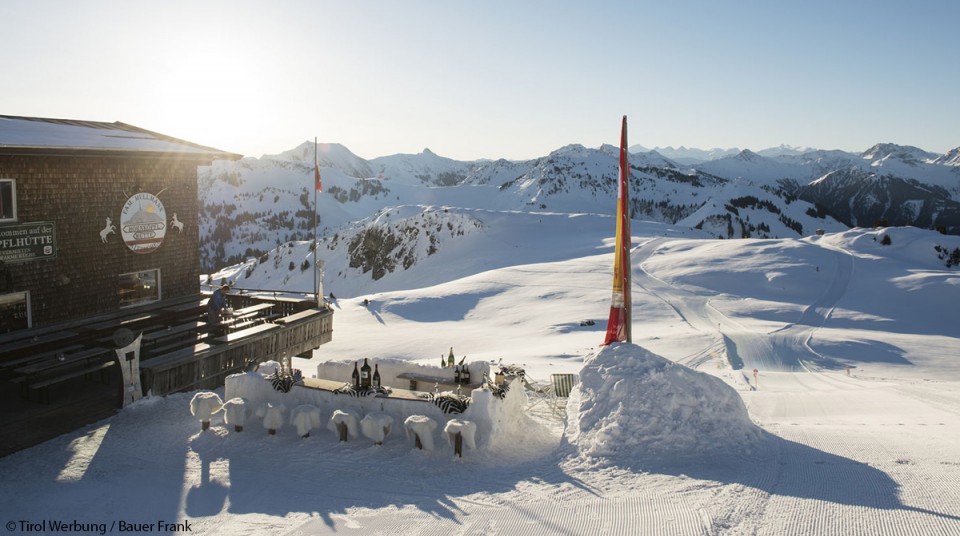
563 384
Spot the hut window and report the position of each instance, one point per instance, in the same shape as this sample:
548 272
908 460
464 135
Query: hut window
139 287
8 200
15 311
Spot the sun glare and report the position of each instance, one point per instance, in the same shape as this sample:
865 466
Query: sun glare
208 91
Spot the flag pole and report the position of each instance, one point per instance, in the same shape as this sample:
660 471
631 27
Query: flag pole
316 164
621 304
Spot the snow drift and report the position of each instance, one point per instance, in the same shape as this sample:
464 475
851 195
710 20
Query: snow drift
632 404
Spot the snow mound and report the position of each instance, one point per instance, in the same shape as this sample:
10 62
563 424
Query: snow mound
632 404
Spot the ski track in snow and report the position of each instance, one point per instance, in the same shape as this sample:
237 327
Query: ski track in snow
785 349
842 454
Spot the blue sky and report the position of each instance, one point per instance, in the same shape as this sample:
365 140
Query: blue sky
493 79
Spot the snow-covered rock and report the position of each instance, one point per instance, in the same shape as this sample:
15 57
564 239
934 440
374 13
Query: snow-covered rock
632 404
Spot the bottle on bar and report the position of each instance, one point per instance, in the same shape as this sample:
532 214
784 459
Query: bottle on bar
450 358
365 375
376 376
443 361
356 375
464 373
456 374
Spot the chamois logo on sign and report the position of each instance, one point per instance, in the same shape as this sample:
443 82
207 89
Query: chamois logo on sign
107 229
177 224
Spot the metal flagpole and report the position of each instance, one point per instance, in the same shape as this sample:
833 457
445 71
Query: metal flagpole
316 171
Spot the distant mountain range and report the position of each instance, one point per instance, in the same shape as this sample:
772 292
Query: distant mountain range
387 213
693 156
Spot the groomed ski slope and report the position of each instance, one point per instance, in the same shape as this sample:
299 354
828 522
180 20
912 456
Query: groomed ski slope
872 452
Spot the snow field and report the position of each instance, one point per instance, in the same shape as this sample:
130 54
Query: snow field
875 452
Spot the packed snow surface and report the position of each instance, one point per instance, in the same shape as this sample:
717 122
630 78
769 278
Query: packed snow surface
850 426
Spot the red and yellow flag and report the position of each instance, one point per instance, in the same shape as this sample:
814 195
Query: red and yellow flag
618 326
316 169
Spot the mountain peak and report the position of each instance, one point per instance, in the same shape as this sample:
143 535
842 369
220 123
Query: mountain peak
951 158
905 153
573 149
747 155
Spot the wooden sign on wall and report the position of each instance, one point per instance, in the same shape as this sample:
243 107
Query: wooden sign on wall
28 241
143 223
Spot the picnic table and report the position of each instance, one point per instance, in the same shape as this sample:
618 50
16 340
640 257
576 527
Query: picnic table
39 356
62 367
189 307
299 316
155 336
236 335
172 358
39 340
122 322
252 309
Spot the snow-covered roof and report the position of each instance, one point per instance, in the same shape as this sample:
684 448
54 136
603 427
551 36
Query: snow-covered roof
35 134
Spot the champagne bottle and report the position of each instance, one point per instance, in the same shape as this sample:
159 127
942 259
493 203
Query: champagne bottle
356 375
376 376
443 361
365 374
462 359
450 358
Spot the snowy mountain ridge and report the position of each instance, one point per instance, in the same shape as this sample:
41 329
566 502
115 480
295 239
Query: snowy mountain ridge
250 207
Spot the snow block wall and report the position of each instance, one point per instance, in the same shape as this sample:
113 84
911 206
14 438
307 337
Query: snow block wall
501 422
631 404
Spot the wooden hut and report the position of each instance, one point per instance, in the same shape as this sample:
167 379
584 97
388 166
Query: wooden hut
94 217
99 243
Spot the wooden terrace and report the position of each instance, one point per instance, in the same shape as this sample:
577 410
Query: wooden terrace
60 377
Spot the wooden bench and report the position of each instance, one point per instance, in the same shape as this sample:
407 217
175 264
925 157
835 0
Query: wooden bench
41 356
37 340
56 362
43 386
28 374
237 335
